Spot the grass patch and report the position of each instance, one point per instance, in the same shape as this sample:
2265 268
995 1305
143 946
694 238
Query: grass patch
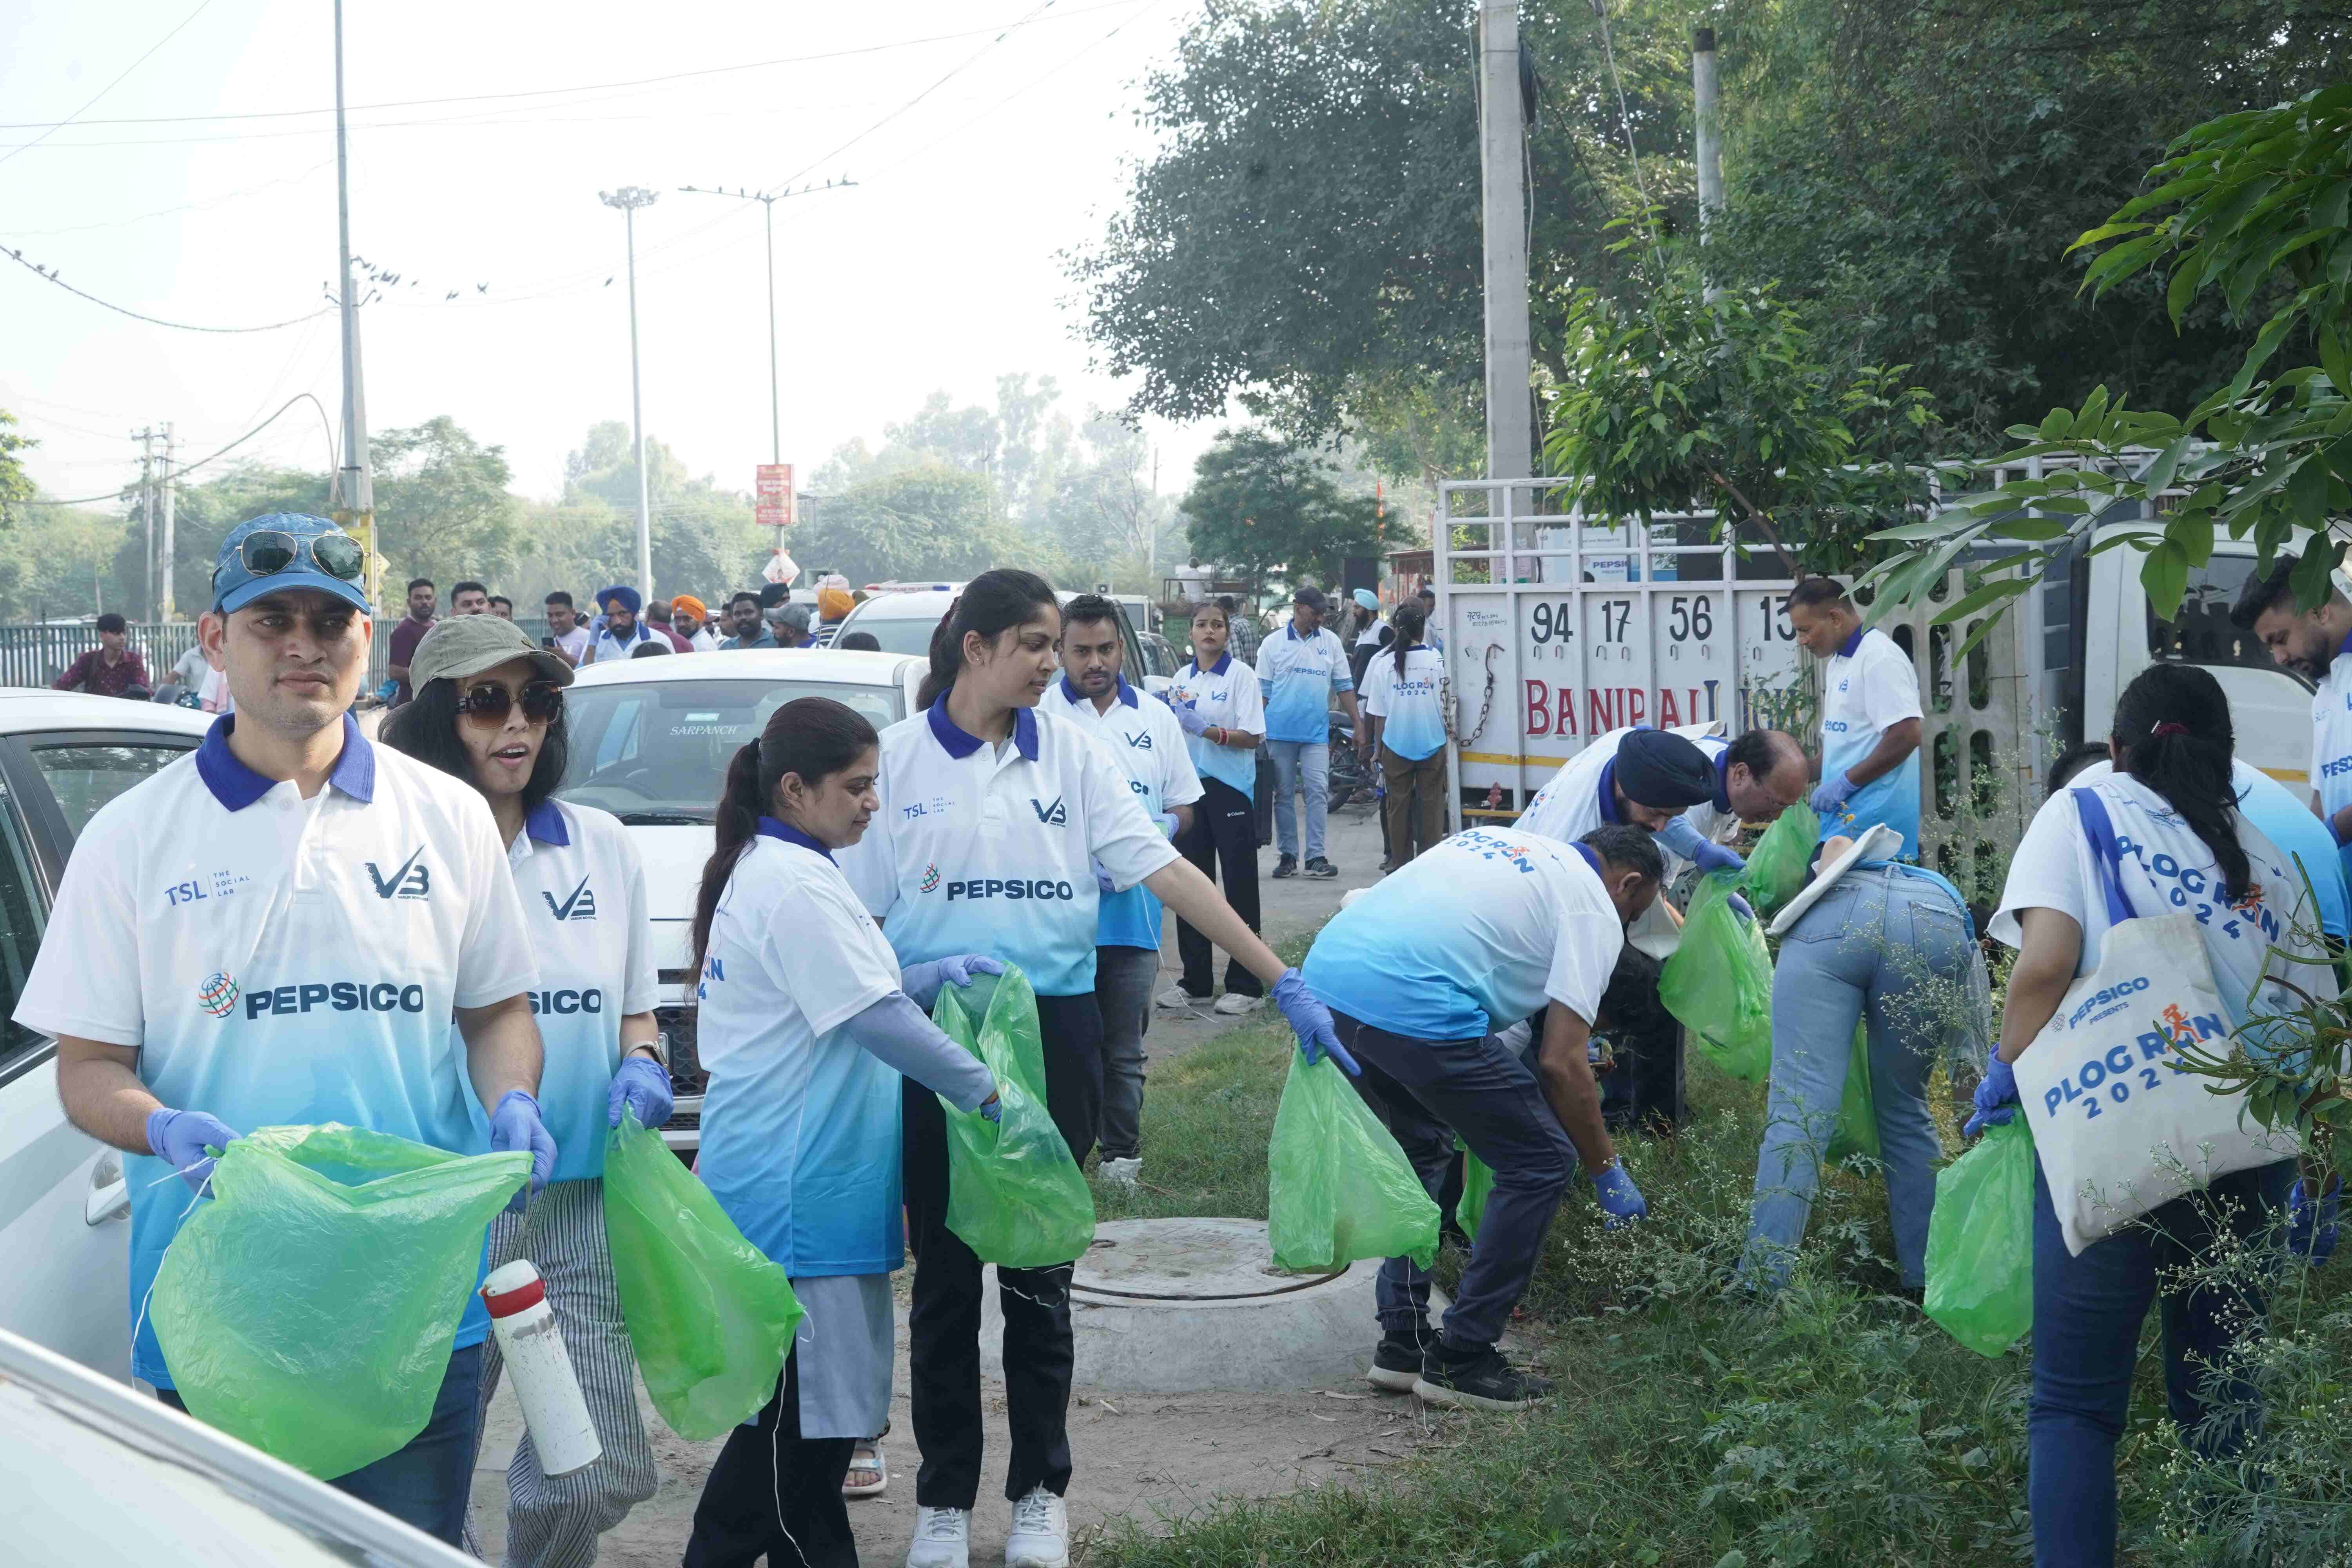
1836 1427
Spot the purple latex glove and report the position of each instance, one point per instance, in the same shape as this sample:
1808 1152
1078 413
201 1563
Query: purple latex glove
1311 1022
1996 1098
1833 793
516 1125
1712 856
1620 1199
642 1088
182 1136
1187 714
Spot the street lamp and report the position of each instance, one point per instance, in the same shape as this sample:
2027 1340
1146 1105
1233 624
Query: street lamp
629 198
769 199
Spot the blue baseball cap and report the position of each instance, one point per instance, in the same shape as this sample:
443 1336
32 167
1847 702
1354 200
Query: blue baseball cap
287 550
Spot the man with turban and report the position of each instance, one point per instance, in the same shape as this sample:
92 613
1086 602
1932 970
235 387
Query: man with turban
623 631
691 618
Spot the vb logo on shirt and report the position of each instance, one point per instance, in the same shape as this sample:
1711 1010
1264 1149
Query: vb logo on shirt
408 879
1052 815
1140 742
580 906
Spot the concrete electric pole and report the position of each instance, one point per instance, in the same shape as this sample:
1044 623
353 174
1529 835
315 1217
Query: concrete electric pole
1710 138
628 199
353 497
1502 174
147 513
163 605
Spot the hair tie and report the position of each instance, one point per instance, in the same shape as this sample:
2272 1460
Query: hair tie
752 746
2167 728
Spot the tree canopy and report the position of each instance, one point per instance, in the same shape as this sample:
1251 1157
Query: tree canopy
1259 501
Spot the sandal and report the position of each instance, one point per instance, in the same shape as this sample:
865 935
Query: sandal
865 1458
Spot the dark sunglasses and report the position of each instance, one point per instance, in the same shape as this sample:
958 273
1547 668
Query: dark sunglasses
269 551
489 703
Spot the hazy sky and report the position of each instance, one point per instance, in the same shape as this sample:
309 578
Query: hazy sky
937 270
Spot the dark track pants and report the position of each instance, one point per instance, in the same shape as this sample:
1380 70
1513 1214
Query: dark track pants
943 1330
774 1493
1645 1091
1223 835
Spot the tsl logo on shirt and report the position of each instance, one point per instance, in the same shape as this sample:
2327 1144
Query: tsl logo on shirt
580 906
1054 816
220 885
408 879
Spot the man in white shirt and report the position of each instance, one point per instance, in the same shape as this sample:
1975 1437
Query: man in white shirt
566 638
277 931
1147 743
623 631
1870 718
2316 644
1298 669
690 619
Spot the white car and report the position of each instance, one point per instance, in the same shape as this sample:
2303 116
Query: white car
903 619
650 741
99 1475
64 1209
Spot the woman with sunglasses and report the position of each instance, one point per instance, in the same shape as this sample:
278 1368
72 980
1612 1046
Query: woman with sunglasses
489 710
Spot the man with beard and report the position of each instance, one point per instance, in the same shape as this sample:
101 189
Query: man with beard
2317 644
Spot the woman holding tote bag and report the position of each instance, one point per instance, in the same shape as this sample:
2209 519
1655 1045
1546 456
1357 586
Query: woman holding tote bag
2150 889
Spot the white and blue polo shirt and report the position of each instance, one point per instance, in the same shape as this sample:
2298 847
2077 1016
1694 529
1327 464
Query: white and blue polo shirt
1470 937
1869 687
1227 695
2331 738
583 885
800 1123
1147 742
1297 675
989 849
1581 796
278 962
1413 719
610 647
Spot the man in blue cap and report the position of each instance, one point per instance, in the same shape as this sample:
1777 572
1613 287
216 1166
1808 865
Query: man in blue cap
276 929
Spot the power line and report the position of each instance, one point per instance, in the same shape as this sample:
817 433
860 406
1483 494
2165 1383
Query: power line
1000 28
49 276
203 205
201 7
190 467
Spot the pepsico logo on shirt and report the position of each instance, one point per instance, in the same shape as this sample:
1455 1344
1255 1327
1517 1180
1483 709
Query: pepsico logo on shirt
930 878
218 995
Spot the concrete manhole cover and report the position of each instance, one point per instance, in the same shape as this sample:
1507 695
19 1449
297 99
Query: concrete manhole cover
1143 1260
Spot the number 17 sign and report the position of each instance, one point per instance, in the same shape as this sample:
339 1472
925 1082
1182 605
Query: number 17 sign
775 495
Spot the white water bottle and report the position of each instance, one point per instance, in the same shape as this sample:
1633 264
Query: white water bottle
536 1362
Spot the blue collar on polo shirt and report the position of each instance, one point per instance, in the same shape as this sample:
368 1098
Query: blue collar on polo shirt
1609 792
960 746
1723 780
1845 649
1591 857
544 823
1224 662
236 786
2345 646
1075 695
776 828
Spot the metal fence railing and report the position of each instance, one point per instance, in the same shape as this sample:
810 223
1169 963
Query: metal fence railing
38 655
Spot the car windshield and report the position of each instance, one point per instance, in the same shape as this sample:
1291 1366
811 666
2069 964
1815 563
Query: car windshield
898 634
654 751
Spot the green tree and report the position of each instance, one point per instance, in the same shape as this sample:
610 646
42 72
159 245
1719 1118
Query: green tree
929 519
1260 501
15 486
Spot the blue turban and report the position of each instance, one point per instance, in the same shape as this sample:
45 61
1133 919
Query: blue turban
628 598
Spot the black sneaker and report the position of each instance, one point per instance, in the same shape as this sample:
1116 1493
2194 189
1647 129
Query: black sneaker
1396 1360
1286 866
1477 1379
1321 869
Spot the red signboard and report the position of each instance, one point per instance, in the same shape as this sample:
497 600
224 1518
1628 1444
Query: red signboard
775 495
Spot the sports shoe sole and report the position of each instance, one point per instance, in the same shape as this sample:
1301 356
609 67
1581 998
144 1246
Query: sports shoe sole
1034 1561
1456 1399
1394 1381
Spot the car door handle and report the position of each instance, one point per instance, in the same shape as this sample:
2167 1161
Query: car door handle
109 1193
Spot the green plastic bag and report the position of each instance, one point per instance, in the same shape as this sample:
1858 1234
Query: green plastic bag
308 1308
1857 1122
1477 1185
1015 1194
1776 872
1337 1187
710 1318
1981 1242
1718 982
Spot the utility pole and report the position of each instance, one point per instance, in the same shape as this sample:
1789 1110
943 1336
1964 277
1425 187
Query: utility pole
353 497
629 198
769 199
147 514
1703 96
1503 176
164 607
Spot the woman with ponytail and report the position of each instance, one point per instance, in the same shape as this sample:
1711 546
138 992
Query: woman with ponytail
807 1021
1404 707
2180 846
998 830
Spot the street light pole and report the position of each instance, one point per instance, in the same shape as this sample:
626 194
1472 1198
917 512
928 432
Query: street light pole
353 500
769 199
629 198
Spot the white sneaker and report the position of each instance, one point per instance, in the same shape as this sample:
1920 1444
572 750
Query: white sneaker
1041 1532
1176 999
1125 1171
1233 1005
942 1538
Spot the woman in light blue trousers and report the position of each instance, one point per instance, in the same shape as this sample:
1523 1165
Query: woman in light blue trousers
1890 944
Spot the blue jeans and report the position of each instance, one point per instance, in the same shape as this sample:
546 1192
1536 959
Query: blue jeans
1419 1087
1299 764
1895 949
425 1483
2087 1312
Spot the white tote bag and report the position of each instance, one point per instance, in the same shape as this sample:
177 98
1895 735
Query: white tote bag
2119 1129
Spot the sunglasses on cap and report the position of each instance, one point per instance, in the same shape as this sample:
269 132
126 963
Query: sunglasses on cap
269 550
489 703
